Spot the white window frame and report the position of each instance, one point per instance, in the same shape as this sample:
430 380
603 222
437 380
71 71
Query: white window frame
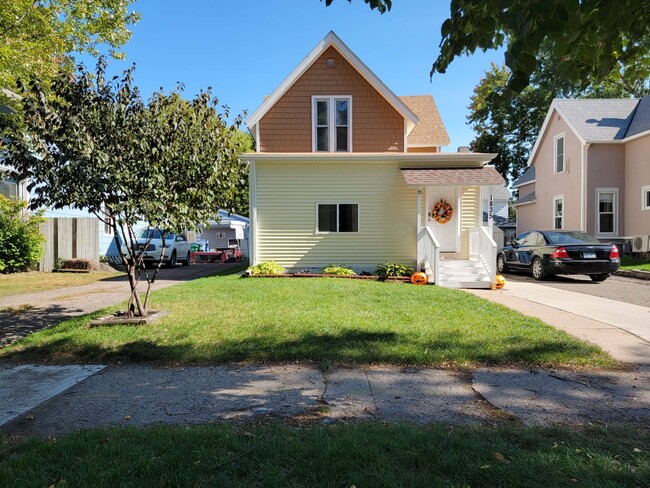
645 190
331 99
337 218
555 139
614 191
557 198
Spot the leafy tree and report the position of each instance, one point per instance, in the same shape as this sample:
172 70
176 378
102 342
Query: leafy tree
240 201
511 129
95 144
21 243
589 38
37 36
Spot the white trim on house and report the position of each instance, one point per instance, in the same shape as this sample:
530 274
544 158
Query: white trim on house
645 192
558 198
252 231
258 143
614 192
331 121
332 40
556 139
455 158
523 184
337 231
515 204
540 135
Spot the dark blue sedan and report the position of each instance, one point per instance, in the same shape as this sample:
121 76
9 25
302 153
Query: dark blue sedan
547 252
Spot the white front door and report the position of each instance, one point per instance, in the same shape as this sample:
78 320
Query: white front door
447 233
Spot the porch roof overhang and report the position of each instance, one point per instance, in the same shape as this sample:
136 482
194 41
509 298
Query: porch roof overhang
484 176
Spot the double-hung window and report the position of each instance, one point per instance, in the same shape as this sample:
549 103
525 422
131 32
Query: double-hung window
558 154
332 124
558 212
338 217
645 197
606 203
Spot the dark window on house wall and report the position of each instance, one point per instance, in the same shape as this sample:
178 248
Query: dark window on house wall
338 217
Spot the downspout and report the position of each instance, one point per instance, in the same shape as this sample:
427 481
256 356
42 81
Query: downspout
583 191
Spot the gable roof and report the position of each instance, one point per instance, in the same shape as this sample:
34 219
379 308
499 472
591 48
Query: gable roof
430 131
599 120
332 40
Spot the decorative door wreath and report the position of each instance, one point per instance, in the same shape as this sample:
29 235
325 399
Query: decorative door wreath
442 212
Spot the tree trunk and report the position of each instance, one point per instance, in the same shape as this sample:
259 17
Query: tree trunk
135 296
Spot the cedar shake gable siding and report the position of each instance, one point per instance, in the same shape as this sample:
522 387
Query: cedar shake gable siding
376 125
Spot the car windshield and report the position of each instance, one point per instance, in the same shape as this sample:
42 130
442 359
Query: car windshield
570 238
153 233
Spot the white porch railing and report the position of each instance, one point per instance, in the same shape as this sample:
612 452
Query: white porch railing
483 248
428 254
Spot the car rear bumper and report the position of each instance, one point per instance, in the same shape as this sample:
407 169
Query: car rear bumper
581 267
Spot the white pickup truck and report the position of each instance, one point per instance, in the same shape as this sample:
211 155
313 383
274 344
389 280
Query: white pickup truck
177 249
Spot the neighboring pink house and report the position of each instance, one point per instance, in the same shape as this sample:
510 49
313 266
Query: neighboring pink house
590 170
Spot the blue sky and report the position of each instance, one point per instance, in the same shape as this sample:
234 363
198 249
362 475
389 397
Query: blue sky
244 49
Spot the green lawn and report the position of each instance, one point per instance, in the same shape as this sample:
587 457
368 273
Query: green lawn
224 319
359 455
630 262
32 282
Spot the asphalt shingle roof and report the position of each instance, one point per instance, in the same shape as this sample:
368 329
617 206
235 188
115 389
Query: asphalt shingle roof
525 199
599 120
485 176
529 175
430 130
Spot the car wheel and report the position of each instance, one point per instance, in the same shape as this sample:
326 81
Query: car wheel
502 267
187 260
172 260
599 277
537 269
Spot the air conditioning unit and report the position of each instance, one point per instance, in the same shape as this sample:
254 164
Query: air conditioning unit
641 244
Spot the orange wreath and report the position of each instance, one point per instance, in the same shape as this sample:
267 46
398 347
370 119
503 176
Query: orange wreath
442 212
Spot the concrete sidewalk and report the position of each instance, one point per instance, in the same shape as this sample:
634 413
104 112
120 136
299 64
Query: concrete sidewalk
621 329
144 395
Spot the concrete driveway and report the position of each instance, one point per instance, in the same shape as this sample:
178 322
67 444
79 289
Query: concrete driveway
21 315
619 327
628 290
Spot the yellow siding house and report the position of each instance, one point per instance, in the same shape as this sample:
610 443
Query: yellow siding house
348 173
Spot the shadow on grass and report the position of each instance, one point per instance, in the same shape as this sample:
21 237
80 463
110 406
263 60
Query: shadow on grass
345 347
346 455
187 273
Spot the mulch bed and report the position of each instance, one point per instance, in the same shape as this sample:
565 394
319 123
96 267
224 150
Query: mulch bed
350 277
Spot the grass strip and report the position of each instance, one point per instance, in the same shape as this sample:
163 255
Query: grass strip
359 455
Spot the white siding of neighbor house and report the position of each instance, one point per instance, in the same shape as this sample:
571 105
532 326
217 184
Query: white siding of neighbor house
287 195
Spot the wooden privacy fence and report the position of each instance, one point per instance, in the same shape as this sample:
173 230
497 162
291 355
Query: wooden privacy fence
69 238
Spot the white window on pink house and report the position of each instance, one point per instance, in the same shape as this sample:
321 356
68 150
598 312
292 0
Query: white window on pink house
645 197
558 212
558 154
606 210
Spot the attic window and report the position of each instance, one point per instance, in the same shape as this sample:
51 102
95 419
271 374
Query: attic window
332 124
331 63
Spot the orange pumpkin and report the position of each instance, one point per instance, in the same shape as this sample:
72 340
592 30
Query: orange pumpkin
419 278
500 282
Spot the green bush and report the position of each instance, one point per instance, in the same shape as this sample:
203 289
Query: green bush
21 243
81 264
333 269
392 269
266 267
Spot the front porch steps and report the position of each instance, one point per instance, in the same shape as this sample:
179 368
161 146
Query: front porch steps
458 273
